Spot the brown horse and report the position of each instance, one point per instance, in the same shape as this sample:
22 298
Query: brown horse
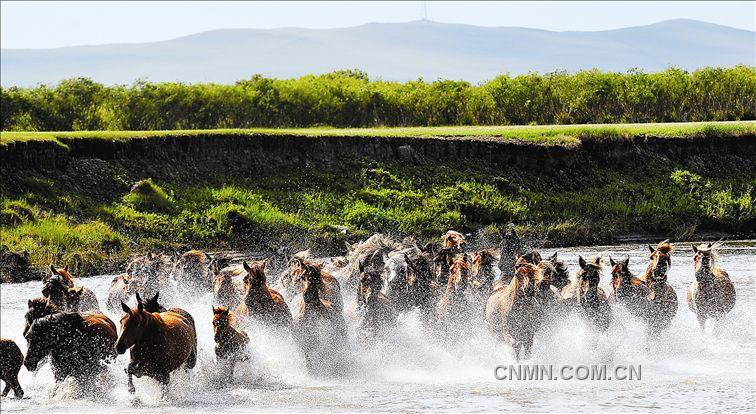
330 289
510 247
443 261
11 360
510 310
454 240
662 298
77 343
456 306
152 271
228 287
628 289
322 330
261 302
585 293
230 343
561 276
160 343
81 299
193 273
65 277
122 287
712 294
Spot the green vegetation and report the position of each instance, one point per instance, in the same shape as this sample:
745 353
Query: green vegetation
559 134
350 99
58 219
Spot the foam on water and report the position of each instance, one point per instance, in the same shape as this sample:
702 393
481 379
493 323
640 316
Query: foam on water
684 369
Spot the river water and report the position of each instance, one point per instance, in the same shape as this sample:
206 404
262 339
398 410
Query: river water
684 369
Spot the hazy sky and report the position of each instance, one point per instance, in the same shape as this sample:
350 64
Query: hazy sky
55 24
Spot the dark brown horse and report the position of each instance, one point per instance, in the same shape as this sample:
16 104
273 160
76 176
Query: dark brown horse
322 330
586 294
662 298
37 308
230 343
483 263
510 247
510 310
330 289
65 277
68 298
628 289
77 343
379 315
11 360
712 294
412 282
261 302
160 343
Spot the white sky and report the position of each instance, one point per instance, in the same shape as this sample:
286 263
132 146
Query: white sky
56 24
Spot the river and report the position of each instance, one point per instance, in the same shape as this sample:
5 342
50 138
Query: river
684 369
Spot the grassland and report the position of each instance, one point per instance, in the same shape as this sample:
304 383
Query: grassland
92 215
559 134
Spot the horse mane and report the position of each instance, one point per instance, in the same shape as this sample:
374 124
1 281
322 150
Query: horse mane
378 242
73 319
41 302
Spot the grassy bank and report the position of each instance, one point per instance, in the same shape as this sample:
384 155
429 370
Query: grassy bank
558 134
92 215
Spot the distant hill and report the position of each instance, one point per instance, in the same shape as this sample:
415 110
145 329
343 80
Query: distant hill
391 51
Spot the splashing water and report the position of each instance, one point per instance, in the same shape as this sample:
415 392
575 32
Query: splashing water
684 369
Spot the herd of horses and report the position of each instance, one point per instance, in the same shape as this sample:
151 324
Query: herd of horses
511 289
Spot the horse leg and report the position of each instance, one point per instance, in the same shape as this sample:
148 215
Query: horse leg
163 378
129 374
701 321
7 388
13 383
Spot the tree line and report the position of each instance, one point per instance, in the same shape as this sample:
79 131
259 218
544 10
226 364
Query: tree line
348 98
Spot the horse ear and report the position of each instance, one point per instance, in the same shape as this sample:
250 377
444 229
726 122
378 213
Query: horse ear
125 308
150 255
246 266
65 268
139 298
612 262
263 263
695 249
553 258
651 249
140 307
29 303
626 263
53 269
582 262
709 245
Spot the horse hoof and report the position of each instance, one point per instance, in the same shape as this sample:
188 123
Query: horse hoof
132 390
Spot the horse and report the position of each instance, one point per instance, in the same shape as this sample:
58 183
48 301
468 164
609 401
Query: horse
153 304
330 288
38 308
152 271
230 343
62 272
561 276
628 289
454 240
510 310
81 299
712 294
379 314
194 274
443 261
160 343
586 294
55 289
261 302
510 246
78 344
322 330
121 290
662 298
411 284
228 287
483 262
358 253
11 360
456 306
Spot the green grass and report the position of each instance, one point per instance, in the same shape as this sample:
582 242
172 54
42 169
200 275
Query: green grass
537 133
